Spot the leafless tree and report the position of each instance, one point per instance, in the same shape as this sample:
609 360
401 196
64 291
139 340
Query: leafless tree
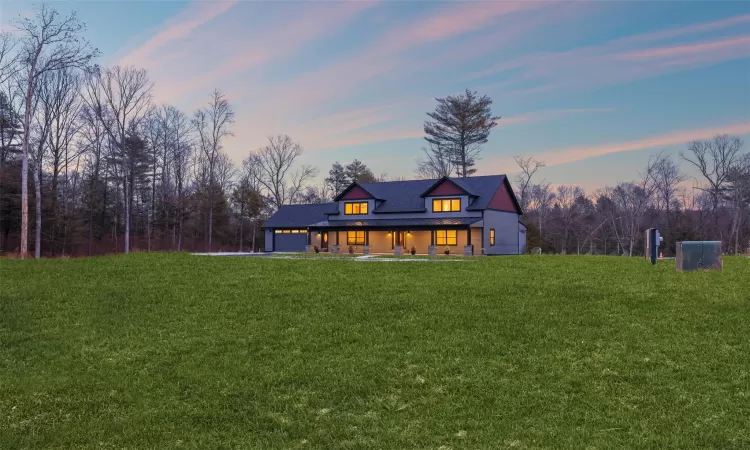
714 160
437 162
48 43
93 137
529 166
667 181
212 125
62 98
121 97
274 162
8 58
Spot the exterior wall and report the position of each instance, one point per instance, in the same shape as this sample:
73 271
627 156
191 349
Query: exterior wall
420 215
430 214
447 187
502 200
507 232
268 241
356 193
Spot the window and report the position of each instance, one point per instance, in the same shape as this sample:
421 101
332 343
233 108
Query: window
446 237
446 205
358 208
277 231
355 238
492 236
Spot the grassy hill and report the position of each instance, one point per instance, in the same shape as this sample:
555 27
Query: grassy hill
178 351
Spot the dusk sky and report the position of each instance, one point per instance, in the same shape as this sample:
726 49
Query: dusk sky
590 88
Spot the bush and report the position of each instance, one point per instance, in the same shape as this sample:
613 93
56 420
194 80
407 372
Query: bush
413 250
317 250
447 251
351 249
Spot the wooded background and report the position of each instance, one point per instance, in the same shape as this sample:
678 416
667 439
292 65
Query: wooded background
106 170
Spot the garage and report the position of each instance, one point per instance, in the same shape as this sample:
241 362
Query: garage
290 240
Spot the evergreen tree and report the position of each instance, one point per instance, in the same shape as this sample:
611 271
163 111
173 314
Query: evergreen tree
461 124
359 172
337 179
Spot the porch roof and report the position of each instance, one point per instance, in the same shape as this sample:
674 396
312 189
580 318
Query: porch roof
397 223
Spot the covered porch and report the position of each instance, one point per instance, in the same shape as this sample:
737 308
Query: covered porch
386 237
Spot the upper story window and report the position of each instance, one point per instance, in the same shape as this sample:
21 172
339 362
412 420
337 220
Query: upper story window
357 208
492 236
446 205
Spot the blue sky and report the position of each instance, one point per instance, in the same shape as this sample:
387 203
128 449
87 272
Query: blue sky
591 88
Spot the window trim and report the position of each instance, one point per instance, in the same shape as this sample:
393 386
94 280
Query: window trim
356 240
492 237
445 239
352 213
450 201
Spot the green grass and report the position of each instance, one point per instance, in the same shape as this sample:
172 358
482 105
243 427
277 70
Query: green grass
177 351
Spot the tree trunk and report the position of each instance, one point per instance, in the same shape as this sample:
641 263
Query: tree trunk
241 234
38 207
255 224
25 166
127 216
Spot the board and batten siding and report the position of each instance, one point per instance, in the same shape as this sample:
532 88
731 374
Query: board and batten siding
507 232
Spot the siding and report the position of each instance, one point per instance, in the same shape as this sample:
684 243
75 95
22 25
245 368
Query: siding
507 232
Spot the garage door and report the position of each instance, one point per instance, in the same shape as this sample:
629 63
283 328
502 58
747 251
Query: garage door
290 242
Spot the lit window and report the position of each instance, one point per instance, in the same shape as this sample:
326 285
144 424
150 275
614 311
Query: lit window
355 238
492 236
355 208
446 237
277 231
446 205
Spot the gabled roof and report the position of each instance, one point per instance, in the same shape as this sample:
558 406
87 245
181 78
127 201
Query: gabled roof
441 181
393 197
300 216
350 187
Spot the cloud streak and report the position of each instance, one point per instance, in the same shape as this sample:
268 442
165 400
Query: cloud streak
678 137
194 16
619 61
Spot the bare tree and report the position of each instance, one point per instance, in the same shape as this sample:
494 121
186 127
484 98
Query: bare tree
714 160
212 125
8 58
667 180
48 43
121 98
529 166
273 162
437 162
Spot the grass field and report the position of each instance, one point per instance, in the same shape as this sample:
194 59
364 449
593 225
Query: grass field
177 351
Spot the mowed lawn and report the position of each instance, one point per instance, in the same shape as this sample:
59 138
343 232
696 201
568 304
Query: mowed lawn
157 351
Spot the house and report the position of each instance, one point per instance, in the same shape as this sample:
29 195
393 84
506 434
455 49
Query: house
465 215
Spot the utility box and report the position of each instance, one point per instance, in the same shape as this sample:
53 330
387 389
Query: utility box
698 255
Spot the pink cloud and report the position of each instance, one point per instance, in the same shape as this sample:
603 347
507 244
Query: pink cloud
176 29
679 137
613 62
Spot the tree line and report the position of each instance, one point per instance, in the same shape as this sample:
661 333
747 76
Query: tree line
89 164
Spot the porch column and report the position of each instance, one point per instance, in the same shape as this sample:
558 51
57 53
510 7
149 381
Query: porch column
432 237
468 236
432 250
468 250
366 249
337 237
309 247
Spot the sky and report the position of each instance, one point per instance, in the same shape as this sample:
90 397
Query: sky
590 88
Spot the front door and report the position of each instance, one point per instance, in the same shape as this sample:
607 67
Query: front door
324 241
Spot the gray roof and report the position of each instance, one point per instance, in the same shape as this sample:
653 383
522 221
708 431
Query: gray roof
388 223
392 197
300 216
404 196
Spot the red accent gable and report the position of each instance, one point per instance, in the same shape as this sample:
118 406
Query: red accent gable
501 200
447 187
356 193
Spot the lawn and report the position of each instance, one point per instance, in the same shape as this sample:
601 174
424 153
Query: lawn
175 351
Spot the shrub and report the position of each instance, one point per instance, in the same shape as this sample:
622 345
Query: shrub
413 250
351 249
447 251
317 250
